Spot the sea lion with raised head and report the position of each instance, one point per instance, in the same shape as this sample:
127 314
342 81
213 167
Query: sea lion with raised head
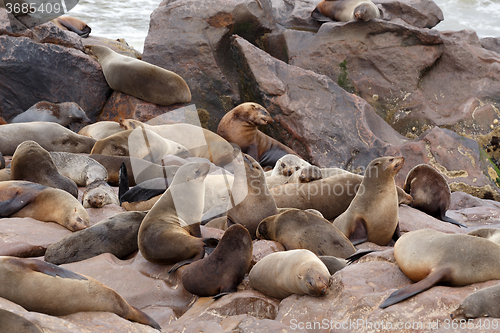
239 126
373 213
345 10
284 273
46 288
141 79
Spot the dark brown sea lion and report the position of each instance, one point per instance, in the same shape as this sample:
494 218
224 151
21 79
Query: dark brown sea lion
239 126
73 24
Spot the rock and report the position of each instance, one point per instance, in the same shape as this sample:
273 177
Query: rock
10 26
417 13
411 219
262 248
119 46
294 13
31 72
51 34
99 214
199 51
461 200
27 237
491 43
332 128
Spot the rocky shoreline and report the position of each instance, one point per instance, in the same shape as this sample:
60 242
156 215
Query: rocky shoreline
341 94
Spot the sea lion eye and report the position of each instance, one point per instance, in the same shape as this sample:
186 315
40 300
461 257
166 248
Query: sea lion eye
377 163
283 165
390 160
297 168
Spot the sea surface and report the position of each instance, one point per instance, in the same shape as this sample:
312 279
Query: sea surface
130 19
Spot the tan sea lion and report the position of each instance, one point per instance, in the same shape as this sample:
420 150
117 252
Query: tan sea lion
99 194
14 323
491 234
346 10
225 268
288 164
281 274
32 163
373 213
81 169
239 126
48 204
481 303
51 136
72 24
62 113
428 257
141 79
116 235
169 232
430 192
46 288
101 129
298 229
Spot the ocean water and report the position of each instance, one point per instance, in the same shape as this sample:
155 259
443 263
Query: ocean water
130 19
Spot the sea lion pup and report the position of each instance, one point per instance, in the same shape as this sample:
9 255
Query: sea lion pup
239 126
373 213
298 229
306 175
479 304
46 288
14 323
62 113
48 204
288 164
224 269
199 141
81 169
141 79
116 235
285 273
345 10
32 163
428 256
101 129
169 232
99 194
51 136
430 191
140 144
72 24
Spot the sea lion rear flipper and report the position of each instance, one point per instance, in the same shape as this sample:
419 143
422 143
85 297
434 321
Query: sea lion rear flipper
358 255
15 204
359 234
445 218
413 289
123 184
180 264
141 317
318 16
48 268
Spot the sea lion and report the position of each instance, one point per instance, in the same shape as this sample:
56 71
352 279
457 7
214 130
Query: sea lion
169 232
139 143
481 303
4 174
428 257
2 161
46 288
430 192
306 175
51 136
48 204
32 163
81 169
345 10
491 234
288 164
281 274
239 126
224 268
116 235
61 113
373 213
72 24
332 263
298 229
141 79
101 129
99 194
14 323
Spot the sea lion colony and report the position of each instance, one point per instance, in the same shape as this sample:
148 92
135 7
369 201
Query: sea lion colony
172 195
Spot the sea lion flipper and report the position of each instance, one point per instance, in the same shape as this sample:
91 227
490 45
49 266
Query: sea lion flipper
219 295
416 288
123 184
397 233
15 204
359 233
180 264
49 269
358 255
318 16
445 218
141 317
72 28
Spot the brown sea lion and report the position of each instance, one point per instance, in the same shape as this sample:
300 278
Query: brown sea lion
32 163
239 126
170 231
141 79
281 274
14 323
298 229
373 213
46 288
2 161
428 257
481 303
430 192
61 113
101 129
222 271
345 10
51 136
48 204
72 24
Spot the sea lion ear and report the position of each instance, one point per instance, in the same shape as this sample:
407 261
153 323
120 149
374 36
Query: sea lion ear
300 276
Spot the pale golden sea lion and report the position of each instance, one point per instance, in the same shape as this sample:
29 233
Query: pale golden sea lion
101 129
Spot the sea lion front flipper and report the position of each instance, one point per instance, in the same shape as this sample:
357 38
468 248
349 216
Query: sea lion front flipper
445 218
123 184
15 204
48 268
180 264
360 233
416 288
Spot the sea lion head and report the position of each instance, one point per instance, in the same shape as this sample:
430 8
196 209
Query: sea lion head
316 281
288 164
366 11
310 173
384 166
77 219
253 113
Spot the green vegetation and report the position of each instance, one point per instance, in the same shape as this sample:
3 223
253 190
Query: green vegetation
343 79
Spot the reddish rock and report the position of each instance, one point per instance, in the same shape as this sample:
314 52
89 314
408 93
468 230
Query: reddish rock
10 26
99 214
411 219
262 248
